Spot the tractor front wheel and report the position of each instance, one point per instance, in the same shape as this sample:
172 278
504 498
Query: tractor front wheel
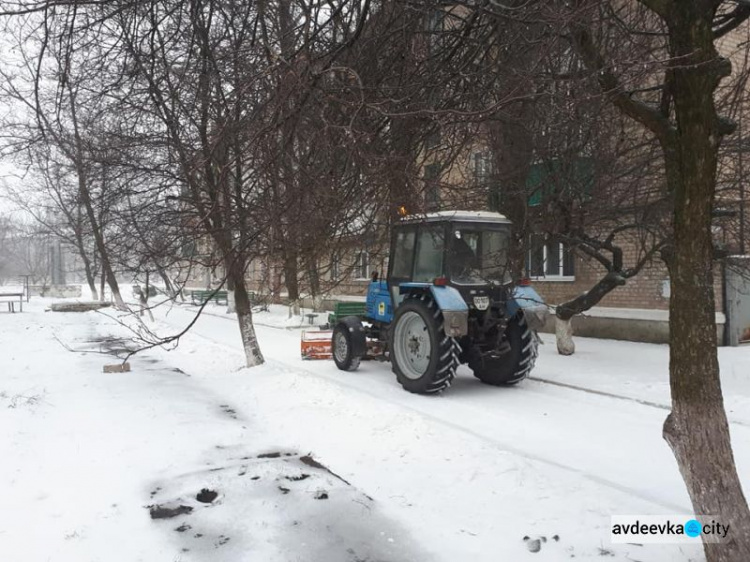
424 358
513 366
342 348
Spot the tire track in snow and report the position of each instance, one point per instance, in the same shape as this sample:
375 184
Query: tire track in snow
295 367
574 387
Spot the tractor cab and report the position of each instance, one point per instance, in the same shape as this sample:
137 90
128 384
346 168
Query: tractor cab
448 298
465 250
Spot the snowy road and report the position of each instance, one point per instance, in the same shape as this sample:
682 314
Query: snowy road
599 438
585 443
465 475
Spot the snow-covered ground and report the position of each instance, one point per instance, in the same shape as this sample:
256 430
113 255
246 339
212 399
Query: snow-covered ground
312 464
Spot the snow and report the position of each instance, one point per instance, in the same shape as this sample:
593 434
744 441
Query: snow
462 476
638 314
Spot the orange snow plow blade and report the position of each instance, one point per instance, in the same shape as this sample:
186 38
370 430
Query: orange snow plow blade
316 344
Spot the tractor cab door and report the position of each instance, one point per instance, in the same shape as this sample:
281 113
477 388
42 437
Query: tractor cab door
401 263
417 255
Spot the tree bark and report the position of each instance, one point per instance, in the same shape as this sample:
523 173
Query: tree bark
253 355
314 280
564 312
697 429
291 272
168 285
144 299
90 279
231 300
564 336
102 284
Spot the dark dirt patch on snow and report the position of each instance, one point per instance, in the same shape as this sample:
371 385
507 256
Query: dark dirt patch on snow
110 345
320 517
231 412
298 478
164 512
206 496
274 455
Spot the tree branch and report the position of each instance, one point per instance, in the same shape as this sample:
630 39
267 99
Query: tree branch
641 112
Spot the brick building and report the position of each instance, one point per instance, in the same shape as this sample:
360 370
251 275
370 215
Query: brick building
637 310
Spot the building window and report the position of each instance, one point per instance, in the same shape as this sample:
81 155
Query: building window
483 170
550 260
482 167
189 248
432 187
432 140
556 178
362 266
335 267
435 26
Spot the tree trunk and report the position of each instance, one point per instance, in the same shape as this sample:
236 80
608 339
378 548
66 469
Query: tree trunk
697 429
144 299
314 280
147 295
168 285
513 153
101 247
231 300
564 312
85 195
102 284
90 278
292 283
564 336
253 355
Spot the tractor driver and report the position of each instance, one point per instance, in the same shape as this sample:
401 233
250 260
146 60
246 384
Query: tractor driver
462 261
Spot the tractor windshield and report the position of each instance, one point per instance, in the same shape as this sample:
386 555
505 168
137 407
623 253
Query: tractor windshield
478 254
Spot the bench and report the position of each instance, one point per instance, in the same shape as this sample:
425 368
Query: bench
342 309
201 296
12 302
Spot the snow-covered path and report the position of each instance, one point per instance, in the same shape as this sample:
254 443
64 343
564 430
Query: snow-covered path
466 475
77 445
603 455
609 441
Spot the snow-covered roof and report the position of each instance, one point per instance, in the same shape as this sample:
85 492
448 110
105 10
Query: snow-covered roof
463 216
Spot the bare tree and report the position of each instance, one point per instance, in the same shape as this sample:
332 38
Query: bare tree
685 121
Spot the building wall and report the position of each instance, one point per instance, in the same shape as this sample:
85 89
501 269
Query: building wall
649 290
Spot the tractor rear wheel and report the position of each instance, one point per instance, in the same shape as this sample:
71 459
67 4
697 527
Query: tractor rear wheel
342 349
423 357
512 367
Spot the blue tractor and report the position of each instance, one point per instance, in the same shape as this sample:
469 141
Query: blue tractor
448 298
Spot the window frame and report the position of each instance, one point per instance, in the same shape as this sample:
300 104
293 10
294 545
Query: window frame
361 266
434 28
552 277
335 270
